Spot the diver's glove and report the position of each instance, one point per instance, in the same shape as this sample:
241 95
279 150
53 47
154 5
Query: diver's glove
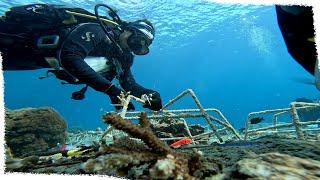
152 101
113 92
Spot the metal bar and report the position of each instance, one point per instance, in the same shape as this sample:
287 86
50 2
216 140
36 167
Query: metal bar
296 121
278 112
283 126
247 126
203 134
174 111
173 138
286 131
227 125
175 99
186 128
206 115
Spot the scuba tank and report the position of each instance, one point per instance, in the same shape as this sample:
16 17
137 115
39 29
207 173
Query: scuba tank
39 25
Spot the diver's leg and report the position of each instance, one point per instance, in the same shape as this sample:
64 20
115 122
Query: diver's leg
22 62
296 25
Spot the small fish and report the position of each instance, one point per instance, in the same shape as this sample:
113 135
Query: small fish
181 142
256 120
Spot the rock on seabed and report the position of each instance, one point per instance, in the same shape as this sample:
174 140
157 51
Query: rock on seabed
31 130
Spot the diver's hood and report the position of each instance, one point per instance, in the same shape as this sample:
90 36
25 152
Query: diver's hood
141 37
141 28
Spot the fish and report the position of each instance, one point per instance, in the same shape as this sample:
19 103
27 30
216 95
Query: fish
256 120
181 142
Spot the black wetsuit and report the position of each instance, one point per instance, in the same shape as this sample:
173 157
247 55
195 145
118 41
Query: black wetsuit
87 39
297 31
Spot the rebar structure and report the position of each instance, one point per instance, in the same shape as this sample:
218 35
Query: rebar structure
283 128
182 115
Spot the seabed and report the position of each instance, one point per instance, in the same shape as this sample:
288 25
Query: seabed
274 150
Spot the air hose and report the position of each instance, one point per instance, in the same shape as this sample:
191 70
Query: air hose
114 14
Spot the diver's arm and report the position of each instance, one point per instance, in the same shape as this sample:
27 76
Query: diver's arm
73 51
128 83
76 66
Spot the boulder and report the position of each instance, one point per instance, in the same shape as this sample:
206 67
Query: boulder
32 130
274 166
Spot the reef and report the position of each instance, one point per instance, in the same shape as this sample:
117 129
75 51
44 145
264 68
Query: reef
32 130
154 158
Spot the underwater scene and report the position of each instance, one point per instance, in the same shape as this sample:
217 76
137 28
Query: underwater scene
160 89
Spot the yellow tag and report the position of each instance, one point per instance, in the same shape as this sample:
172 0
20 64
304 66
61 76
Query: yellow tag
76 152
72 152
312 39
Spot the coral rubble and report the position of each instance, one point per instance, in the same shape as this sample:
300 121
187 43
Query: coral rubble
274 166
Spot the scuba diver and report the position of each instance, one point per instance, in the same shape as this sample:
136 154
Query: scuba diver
296 25
79 46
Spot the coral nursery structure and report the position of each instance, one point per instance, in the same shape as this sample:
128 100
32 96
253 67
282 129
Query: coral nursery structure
162 161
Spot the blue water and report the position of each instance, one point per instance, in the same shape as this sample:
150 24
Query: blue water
232 56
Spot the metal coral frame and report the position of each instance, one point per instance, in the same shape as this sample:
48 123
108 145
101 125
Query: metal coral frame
280 128
182 114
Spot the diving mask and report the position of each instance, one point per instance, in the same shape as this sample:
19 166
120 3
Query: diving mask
141 37
139 45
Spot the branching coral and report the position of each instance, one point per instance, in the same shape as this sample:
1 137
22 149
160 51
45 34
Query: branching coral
142 132
130 144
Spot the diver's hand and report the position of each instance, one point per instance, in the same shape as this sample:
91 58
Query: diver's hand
113 92
152 101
